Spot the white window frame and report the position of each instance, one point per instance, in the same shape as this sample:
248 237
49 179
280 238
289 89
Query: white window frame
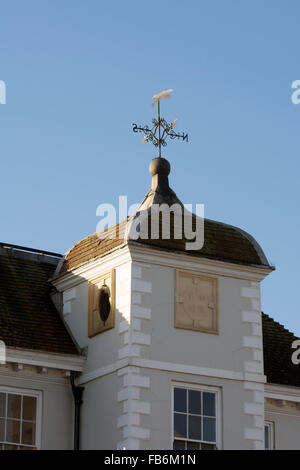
29 393
270 425
199 388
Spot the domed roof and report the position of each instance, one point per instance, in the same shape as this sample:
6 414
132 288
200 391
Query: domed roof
221 241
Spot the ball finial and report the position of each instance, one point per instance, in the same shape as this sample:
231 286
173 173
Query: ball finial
159 166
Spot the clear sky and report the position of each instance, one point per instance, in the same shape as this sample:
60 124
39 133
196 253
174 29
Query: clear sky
79 73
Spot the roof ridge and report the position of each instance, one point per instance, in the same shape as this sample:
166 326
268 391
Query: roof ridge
29 250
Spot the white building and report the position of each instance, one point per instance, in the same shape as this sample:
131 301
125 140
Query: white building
169 345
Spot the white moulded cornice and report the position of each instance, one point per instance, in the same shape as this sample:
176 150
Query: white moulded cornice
282 392
133 251
41 359
186 261
92 269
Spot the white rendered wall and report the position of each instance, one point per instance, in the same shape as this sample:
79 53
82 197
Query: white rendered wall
57 412
162 351
102 349
99 414
129 370
285 417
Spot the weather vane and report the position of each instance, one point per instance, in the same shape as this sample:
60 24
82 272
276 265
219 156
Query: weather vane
161 129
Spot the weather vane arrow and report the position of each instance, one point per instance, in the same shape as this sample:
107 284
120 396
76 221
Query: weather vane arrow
160 129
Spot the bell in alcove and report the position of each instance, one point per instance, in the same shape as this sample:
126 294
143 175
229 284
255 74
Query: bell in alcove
104 302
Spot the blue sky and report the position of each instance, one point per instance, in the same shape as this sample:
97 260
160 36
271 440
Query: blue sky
78 74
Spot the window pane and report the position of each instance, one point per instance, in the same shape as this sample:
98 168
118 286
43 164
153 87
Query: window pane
208 447
28 433
194 427
2 429
10 447
209 429
193 445
267 438
179 425
2 405
14 406
179 445
29 408
194 402
180 400
209 404
13 430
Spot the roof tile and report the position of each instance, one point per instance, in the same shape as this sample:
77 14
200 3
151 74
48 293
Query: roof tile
277 346
28 317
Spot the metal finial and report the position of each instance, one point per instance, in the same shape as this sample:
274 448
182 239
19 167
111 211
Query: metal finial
160 126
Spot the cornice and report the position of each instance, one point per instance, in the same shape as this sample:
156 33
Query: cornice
282 392
42 359
180 260
92 269
133 251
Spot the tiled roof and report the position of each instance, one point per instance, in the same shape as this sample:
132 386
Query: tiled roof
277 347
28 318
93 247
221 242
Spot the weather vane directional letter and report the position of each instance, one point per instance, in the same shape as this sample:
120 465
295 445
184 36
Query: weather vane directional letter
161 129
